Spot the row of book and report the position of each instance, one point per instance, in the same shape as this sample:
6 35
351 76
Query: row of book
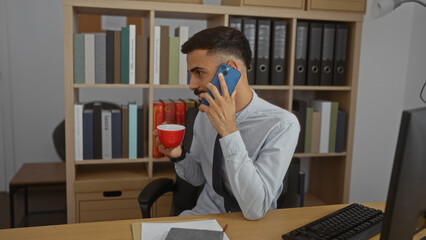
323 126
106 133
320 57
111 57
171 112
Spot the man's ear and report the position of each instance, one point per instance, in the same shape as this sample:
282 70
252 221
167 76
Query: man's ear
233 64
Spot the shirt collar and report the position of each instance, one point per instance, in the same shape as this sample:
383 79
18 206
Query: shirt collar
251 107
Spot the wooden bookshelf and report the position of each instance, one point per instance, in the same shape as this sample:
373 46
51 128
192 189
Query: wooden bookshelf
329 173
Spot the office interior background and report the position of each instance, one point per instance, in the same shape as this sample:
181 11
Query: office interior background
392 72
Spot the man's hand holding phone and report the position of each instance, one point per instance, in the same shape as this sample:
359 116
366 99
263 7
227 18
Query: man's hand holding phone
221 109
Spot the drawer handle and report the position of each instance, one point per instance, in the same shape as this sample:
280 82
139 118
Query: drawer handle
112 194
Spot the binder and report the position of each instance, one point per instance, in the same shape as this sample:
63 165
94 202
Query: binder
339 76
308 129
263 51
236 23
97 130
110 56
278 51
249 30
299 109
88 134
182 33
340 131
124 55
164 54
78 43
106 134
314 55
301 53
333 126
325 108
116 133
327 54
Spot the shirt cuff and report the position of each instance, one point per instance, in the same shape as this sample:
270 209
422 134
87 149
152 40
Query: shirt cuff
231 144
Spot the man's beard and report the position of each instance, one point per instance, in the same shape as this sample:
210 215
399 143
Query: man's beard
198 92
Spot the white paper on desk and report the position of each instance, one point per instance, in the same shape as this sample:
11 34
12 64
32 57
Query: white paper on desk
159 230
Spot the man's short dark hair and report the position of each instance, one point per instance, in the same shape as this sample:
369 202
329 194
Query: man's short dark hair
224 40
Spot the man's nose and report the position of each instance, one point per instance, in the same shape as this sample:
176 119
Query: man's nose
193 84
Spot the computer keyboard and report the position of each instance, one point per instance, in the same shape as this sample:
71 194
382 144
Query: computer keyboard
352 222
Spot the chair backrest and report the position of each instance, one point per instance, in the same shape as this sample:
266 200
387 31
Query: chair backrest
59 131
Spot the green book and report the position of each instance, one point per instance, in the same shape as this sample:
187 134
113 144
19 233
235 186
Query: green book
125 55
174 60
333 127
308 129
79 74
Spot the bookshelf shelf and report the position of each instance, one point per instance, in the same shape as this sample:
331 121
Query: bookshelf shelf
111 85
111 161
332 170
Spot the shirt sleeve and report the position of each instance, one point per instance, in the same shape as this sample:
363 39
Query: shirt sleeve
189 169
255 183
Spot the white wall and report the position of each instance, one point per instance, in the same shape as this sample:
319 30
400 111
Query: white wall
391 67
32 88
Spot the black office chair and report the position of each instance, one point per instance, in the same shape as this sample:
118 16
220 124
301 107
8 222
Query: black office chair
185 195
59 131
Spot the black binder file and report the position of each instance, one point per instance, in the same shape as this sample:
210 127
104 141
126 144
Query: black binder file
301 52
299 109
339 76
249 30
314 55
236 23
327 54
263 50
278 51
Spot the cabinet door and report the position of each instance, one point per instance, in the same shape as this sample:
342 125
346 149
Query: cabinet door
337 5
276 3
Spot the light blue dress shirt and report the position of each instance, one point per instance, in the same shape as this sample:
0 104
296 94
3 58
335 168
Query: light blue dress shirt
256 159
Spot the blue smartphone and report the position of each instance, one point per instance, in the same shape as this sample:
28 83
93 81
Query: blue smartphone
231 76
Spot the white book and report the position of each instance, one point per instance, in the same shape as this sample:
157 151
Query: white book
325 108
132 53
157 31
182 33
89 58
78 132
106 135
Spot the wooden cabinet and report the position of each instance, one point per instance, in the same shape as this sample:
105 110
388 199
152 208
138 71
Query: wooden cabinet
329 173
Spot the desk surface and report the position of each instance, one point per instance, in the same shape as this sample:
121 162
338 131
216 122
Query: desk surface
272 226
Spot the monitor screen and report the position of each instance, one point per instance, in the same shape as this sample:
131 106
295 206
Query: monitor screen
406 201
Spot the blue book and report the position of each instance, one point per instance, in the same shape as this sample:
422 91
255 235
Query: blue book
88 134
133 130
116 133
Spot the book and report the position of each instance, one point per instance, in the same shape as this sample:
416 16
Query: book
106 134
132 54
78 132
164 54
125 131
78 58
97 130
110 57
117 57
325 108
316 132
333 126
116 133
173 60
89 58
182 33
100 58
158 114
141 59
299 109
88 134
169 112
133 130
156 72
308 130
189 103
124 55
180 112
140 133
340 131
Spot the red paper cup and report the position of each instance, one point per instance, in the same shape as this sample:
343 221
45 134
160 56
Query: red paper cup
170 135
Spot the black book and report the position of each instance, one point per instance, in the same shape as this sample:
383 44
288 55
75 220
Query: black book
110 57
299 109
97 130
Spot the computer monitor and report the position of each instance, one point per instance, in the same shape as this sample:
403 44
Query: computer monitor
406 200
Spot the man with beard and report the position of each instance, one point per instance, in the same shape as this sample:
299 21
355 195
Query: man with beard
242 145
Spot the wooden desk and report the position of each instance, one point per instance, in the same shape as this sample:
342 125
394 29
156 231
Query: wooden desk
272 226
34 175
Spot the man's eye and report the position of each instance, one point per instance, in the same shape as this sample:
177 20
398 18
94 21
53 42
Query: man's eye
199 73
